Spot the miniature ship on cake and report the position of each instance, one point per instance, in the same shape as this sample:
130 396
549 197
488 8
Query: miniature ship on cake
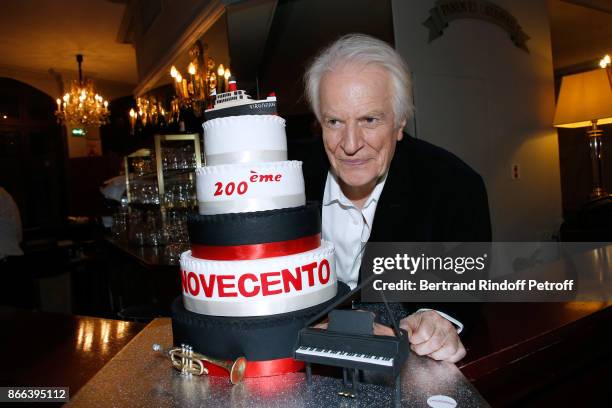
236 102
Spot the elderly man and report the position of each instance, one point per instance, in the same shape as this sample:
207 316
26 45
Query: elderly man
380 190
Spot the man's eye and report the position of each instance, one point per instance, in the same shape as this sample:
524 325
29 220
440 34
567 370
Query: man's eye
370 121
333 122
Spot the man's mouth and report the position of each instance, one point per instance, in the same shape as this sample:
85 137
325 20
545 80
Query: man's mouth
353 162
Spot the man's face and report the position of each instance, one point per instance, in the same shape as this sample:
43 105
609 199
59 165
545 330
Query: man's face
359 131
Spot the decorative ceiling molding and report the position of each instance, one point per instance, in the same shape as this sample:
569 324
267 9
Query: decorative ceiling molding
201 23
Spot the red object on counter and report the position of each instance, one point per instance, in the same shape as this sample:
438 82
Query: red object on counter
256 369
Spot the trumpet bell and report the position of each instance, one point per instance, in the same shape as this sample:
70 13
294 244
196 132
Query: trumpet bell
237 370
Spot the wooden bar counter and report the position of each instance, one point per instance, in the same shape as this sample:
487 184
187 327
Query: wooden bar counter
48 349
541 354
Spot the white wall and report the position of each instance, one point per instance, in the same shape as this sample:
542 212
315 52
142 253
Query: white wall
492 104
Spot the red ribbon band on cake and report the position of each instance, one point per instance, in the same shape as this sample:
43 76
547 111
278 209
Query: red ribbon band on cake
256 251
260 368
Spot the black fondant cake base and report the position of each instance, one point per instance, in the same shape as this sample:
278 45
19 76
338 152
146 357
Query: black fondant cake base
256 338
255 227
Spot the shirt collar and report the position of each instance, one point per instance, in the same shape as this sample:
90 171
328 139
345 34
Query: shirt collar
333 193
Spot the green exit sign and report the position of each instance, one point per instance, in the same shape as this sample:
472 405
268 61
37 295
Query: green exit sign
78 132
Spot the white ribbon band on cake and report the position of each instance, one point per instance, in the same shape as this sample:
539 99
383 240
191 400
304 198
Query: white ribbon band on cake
250 187
259 287
249 156
251 204
258 135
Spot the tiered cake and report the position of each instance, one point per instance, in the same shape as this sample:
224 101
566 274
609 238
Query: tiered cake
258 269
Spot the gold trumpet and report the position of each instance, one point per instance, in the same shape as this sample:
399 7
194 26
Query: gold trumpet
188 362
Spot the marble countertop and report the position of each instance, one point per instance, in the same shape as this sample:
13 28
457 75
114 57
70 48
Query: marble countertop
139 377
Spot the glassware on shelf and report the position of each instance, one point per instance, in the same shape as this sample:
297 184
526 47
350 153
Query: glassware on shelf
119 227
143 165
176 227
147 228
173 251
144 192
178 158
154 234
180 193
135 228
160 193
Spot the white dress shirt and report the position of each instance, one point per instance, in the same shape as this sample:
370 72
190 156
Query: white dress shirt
349 228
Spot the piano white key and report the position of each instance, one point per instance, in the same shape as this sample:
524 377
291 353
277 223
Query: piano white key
378 360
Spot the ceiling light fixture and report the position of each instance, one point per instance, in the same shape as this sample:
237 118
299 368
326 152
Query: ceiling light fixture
82 106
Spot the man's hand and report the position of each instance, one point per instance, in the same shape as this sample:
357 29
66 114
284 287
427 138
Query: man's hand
430 335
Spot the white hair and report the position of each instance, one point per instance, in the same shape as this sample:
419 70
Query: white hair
364 50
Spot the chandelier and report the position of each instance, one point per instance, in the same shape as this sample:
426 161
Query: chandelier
82 106
149 111
195 90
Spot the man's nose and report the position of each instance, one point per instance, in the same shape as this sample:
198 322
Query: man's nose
352 140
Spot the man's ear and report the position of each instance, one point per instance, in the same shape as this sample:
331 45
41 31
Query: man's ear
400 130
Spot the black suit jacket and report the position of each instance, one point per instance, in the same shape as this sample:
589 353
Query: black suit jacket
430 196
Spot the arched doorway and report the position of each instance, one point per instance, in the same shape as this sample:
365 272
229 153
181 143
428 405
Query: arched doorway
32 156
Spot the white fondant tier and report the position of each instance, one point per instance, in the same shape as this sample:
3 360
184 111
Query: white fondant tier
245 139
258 287
237 188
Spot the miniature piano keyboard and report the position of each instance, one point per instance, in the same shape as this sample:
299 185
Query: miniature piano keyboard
343 355
364 352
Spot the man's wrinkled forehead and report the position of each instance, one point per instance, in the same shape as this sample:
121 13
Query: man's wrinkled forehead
358 88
